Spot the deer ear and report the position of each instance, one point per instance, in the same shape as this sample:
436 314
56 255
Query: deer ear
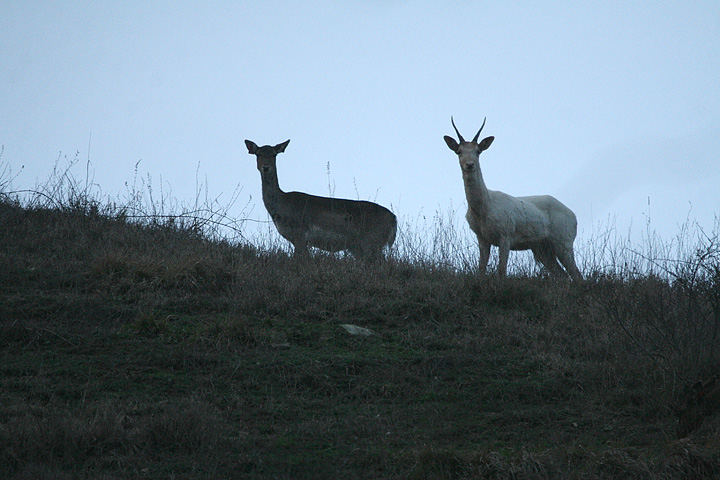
252 148
281 147
451 143
486 142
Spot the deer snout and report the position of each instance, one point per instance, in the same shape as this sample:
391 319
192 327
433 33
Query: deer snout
469 166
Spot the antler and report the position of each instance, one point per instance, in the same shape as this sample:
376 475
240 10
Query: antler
456 130
478 134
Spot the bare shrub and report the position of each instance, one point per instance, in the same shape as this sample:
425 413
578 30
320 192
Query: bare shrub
671 313
698 402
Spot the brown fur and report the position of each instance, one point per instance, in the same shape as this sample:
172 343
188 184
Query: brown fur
330 224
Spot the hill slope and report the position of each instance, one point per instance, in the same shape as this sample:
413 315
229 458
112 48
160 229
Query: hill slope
135 351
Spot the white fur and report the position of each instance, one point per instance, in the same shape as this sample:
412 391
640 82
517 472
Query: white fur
538 223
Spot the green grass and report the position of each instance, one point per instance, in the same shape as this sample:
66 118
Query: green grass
150 349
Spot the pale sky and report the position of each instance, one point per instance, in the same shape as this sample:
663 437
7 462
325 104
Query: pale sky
612 107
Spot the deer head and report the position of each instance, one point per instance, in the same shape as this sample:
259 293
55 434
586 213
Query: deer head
266 156
468 152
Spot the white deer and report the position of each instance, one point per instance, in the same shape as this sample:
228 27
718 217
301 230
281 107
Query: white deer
538 223
330 224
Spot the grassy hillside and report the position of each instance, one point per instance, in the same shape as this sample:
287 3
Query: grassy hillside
153 351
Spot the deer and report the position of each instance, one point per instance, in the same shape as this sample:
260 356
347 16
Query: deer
700 401
539 223
331 224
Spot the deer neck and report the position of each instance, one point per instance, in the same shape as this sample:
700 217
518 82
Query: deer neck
476 192
271 193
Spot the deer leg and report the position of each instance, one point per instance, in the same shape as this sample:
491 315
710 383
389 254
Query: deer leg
301 250
544 257
503 254
376 254
567 258
484 256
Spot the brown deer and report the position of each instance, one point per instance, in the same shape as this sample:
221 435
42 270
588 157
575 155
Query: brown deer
331 224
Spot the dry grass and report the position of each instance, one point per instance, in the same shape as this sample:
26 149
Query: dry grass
141 347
